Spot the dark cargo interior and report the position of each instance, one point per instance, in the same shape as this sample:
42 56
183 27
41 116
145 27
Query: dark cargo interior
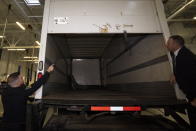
112 69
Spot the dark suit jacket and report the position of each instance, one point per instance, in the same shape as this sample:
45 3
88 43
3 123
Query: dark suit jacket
14 101
186 72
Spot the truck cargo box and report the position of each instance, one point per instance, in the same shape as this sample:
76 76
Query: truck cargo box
108 69
106 53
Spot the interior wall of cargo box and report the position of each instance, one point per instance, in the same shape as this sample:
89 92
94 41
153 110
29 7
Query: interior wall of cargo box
86 71
135 63
138 64
57 53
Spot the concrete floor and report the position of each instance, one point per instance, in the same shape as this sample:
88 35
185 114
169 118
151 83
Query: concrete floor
112 122
152 111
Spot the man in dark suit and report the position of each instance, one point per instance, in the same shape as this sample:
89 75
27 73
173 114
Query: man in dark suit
14 100
184 68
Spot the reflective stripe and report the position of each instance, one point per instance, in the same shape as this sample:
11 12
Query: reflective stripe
98 108
115 108
136 108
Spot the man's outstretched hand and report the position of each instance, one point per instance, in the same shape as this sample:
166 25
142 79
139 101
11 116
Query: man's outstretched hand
173 79
193 103
50 68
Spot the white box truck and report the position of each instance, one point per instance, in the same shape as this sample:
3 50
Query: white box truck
109 56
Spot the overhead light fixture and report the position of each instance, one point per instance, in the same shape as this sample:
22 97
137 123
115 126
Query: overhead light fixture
78 59
20 25
32 2
38 42
16 49
30 57
2 36
194 18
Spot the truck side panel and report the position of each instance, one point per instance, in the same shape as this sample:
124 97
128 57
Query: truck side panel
93 16
143 67
56 54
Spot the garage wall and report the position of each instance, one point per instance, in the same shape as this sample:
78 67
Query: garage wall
189 33
9 64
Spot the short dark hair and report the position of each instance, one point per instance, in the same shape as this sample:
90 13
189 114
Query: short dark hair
12 77
178 39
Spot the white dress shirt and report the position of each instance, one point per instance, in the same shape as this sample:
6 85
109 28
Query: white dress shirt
179 93
176 52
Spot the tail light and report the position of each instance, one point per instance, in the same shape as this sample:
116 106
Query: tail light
39 75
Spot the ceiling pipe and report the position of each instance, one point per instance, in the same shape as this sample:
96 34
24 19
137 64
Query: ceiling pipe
6 3
19 47
14 24
35 16
27 60
180 10
5 25
182 20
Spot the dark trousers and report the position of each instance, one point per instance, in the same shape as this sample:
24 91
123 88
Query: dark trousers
13 127
192 116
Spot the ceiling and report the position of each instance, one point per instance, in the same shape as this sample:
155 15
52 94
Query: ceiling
31 18
87 45
172 6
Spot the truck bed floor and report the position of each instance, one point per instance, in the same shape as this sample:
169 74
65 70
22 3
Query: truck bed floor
105 97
